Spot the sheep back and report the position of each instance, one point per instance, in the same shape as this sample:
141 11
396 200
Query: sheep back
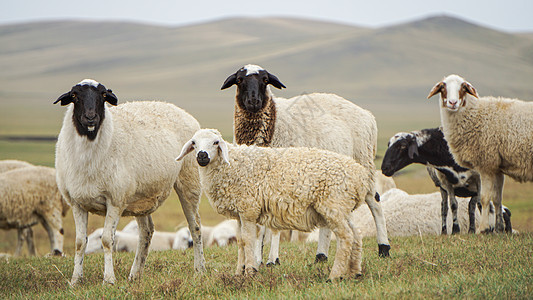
132 158
27 194
11 164
283 188
492 134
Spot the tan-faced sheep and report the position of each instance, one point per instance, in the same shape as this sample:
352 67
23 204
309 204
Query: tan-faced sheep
324 121
29 196
283 188
493 136
119 161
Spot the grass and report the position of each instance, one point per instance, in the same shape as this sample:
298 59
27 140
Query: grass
466 266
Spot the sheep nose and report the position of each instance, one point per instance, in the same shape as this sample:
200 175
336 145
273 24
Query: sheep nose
202 154
190 244
202 158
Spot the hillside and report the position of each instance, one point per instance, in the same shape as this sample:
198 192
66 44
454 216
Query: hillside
386 69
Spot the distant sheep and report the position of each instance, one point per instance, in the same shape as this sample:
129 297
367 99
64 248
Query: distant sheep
324 121
118 161
29 196
221 234
492 136
283 188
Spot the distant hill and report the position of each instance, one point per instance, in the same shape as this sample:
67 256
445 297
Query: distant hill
186 65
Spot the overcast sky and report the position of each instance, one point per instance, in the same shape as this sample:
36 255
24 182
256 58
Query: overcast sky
508 15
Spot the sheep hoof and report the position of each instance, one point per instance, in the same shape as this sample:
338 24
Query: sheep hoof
456 229
76 281
271 264
57 253
472 230
383 250
444 230
321 257
109 281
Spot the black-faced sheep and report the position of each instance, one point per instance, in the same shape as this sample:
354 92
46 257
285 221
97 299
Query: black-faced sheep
119 161
324 121
283 188
492 136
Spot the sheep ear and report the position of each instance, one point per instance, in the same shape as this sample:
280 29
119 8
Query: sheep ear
273 80
111 98
231 80
65 99
187 148
469 89
436 89
224 151
412 150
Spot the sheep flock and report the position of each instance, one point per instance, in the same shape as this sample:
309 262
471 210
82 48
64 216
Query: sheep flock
289 169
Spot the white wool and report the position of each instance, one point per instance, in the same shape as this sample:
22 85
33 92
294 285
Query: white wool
90 82
252 69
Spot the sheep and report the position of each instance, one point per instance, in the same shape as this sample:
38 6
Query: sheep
26 233
127 241
492 136
383 183
183 239
324 121
409 215
283 188
118 161
428 147
29 196
221 234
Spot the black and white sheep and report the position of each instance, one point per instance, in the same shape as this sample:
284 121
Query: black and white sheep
283 188
492 136
119 161
324 121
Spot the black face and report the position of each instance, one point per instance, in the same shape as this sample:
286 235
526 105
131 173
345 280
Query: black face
252 89
89 107
398 155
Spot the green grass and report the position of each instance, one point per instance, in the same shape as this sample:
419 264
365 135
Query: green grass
466 266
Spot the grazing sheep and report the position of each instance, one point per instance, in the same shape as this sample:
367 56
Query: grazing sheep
23 234
428 147
324 121
30 195
221 234
118 161
409 215
491 135
283 188
126 241
183 239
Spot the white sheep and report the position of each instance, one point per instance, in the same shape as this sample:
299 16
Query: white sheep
283 188
221 234
118 161
11 164
126 241
491 135
29 196
324 121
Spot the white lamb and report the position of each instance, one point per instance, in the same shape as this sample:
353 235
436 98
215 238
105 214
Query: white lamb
493 136
118 161
29 196
283 188
221 234
324 121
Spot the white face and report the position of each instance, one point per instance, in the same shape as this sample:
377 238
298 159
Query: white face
453 85
207 145
183 239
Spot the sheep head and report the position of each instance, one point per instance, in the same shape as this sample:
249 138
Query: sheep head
401 152
208 145
252 83
88 97
453 91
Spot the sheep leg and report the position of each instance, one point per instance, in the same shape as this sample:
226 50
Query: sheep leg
190 200
108 239
20 241
356 256
52 224
444 210
273 256
491 189
248 237
260 242
381 225
453 203
500 227
240 250
324 239
507 220
146 231
28 236
345 240
472 213
80 221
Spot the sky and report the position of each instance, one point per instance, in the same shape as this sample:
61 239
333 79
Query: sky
506 15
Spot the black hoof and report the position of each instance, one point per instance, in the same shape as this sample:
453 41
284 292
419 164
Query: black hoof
384 250
472 230
271 264
57 253
321 257
456 229
444 230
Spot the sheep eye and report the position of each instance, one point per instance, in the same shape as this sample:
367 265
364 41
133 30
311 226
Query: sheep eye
73 96
104 95
265 80
239 80
215 143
